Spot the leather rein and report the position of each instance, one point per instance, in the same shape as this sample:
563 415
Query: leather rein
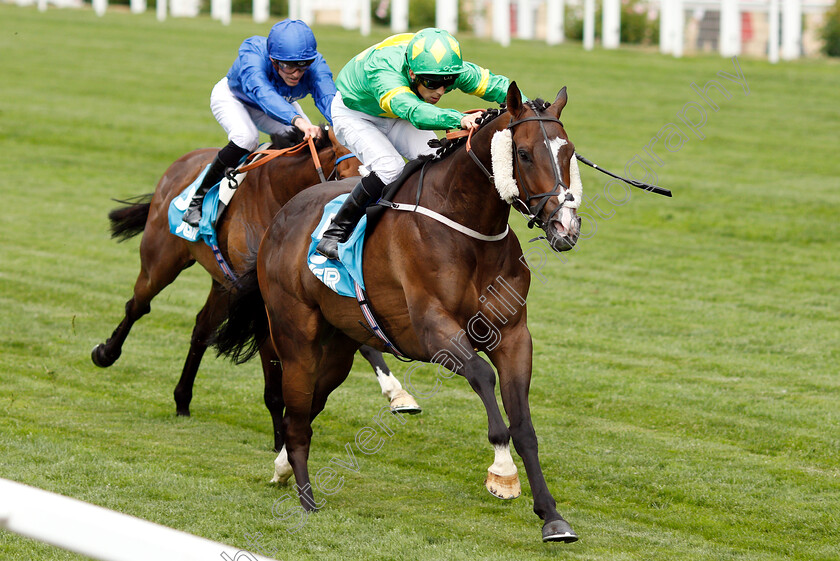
254 161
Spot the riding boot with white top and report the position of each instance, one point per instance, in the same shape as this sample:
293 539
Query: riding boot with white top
368 190
228 157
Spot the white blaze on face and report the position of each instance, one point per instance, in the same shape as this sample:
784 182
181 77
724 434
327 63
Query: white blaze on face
576 189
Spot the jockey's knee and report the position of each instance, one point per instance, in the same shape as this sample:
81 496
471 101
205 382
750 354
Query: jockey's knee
245 141
388 168
232 153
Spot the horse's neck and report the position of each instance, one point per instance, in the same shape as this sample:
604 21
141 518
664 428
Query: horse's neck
459 190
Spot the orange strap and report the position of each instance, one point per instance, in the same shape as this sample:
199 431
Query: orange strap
268 156
315 157
452 135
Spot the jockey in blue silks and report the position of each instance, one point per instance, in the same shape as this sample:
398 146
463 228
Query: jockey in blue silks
260 93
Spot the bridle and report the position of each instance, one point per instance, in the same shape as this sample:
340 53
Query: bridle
531 211
334 173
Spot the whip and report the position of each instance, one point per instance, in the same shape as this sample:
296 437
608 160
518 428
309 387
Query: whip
633 182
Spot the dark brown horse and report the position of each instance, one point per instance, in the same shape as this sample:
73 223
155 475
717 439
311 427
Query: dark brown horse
163 255
441 289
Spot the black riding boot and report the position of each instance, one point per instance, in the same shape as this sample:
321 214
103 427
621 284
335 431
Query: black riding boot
228 157
368 190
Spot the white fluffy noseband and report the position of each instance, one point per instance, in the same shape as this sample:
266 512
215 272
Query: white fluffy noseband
501 158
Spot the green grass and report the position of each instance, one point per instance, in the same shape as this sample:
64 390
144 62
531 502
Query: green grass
685 387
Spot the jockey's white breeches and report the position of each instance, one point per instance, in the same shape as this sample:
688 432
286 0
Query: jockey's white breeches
241 122
379 142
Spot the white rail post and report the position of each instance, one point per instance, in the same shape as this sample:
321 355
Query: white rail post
99 7
160 10
555 20
524 19
260 11
446 15
306 11
665 27
589 24
611 23
364 17
350 14
225 11
677 28
399 16
791 29
773 31
138 6
730 28
501 22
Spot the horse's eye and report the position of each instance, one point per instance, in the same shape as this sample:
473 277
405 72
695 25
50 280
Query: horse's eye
523 155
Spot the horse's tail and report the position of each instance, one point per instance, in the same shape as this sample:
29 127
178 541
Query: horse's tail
129 220
246 328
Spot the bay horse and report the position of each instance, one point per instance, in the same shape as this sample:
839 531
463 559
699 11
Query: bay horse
429 281
163 255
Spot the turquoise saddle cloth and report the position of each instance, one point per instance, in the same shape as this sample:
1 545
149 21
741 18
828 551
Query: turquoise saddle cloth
343 274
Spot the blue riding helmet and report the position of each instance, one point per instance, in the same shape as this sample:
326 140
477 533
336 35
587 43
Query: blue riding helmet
291 40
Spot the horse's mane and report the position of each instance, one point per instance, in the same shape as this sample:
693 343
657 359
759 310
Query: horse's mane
445 147
294 136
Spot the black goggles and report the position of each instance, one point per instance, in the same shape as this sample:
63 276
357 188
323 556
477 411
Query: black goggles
292 65
433 82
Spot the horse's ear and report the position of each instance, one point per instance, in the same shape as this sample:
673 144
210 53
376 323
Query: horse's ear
559 102
514 99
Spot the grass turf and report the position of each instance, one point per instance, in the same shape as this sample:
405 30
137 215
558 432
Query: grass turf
685 384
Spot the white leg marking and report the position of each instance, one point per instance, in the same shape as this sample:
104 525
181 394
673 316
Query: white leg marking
504 463
282 467
388 382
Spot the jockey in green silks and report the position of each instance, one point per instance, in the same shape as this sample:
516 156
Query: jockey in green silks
386 109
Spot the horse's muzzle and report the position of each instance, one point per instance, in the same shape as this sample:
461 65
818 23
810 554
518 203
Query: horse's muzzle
563 233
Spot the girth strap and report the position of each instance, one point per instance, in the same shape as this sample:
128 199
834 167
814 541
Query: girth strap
367 312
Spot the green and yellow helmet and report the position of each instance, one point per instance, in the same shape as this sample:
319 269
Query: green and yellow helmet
434 51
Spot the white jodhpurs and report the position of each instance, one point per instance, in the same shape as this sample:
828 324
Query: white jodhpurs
380 143
241 122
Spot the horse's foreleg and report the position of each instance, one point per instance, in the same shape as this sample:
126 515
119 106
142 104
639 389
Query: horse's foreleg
514 365
206 322
400 400
502 478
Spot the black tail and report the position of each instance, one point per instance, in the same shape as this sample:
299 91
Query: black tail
130 220
246 327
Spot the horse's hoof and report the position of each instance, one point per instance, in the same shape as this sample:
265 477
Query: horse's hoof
558 531
183 412
503 486
403 402
97 355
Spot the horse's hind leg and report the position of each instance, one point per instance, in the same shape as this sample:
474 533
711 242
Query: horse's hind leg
307 382
401 400
206 322
273 392
160 264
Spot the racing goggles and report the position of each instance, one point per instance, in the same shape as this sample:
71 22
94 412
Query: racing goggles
292 65
433 82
